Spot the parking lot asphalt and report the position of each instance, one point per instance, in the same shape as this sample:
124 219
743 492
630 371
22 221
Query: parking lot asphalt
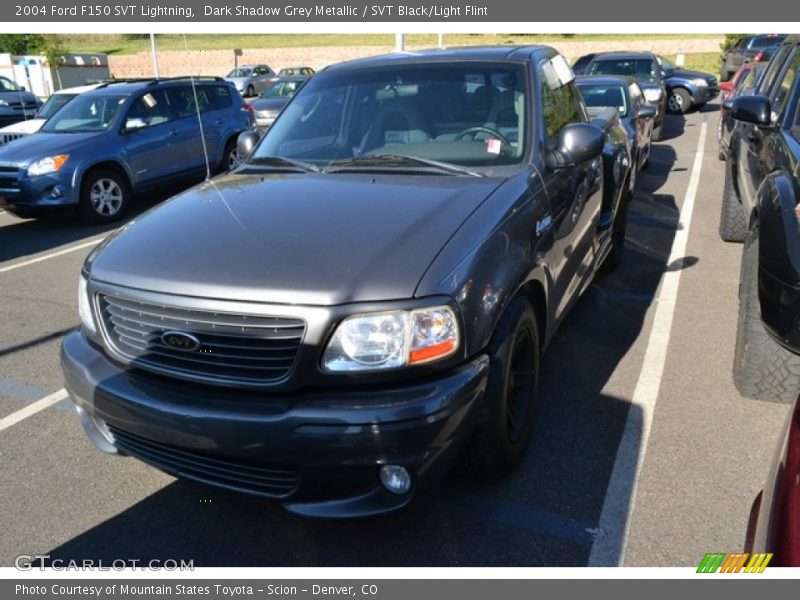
644 454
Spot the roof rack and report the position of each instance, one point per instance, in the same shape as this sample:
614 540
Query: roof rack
185 77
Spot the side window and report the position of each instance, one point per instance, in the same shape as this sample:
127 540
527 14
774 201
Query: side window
220 97
152 108
784 87
183 99
560 107
774 68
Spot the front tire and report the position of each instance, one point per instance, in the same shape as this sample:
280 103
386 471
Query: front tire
679 101
618 233
762 368
506 411
732 218
104 196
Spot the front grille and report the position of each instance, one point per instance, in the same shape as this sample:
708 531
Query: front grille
10 137
237 475
233 348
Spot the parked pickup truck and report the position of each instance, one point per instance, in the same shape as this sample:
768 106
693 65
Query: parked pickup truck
365 300
760 208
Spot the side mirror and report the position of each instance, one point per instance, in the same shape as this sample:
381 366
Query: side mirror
727 105
134 124
245 143
752 109
646 111
578 143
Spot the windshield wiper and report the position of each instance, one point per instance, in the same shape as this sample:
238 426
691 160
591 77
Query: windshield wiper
282 161
372 160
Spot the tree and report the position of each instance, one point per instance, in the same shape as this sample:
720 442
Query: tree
28 43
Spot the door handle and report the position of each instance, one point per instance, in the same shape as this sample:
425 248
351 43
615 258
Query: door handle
173 132
220 122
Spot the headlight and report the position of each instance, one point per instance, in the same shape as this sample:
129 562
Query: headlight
652 95
84 307
392 339
700 82
51 164
3 103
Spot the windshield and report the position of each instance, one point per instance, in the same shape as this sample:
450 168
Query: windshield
281 89
765 41
468 114
641 68
6 85
605 95
54 102
240 72
86 114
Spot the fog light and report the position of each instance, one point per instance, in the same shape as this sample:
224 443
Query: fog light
55 192
395 478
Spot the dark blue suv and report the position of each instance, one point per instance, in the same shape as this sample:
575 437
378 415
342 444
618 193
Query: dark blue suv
120 139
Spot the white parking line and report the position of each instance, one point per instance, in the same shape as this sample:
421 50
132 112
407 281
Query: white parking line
31 261
33 408
611 541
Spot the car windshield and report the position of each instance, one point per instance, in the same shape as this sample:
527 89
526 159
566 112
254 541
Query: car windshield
597 95
53 104
6 85
765 41
466 114
86 114
641 68
281 89
240 72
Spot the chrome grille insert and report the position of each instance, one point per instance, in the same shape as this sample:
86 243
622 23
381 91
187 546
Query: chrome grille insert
233 348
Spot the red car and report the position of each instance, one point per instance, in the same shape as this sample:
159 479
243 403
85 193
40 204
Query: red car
774 524
728 88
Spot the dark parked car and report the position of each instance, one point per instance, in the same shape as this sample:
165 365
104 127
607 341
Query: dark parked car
274 98
365 300
774 524
748 49
642 68
16 104
119 139
636 115
744 82
685 89
579 67
759 207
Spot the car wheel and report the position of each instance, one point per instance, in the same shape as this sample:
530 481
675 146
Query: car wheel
618 232
679 101
250 91
720 148
762 368
230 158
733 218
506 411
104 196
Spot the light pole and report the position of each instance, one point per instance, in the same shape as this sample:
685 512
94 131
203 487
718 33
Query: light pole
153 51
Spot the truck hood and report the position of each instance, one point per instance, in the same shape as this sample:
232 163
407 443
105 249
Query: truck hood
28 149
315 239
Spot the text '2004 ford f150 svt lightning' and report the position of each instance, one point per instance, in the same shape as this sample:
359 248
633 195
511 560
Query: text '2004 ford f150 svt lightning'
365 300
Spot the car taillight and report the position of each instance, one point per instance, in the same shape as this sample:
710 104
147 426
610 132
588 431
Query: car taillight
248 108
759 57
787 551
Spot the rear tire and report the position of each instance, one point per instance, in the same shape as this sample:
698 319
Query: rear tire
250 91
732 219
618 233
507 409
230 157
762 368
105 196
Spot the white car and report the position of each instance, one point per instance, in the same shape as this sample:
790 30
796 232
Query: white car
48 109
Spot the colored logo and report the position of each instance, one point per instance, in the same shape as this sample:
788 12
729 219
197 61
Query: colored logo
721 562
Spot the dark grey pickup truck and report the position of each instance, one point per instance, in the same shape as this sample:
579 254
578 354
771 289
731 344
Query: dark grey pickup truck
365 300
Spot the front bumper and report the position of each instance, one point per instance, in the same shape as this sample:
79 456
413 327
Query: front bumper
702 95
23 193
317 452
